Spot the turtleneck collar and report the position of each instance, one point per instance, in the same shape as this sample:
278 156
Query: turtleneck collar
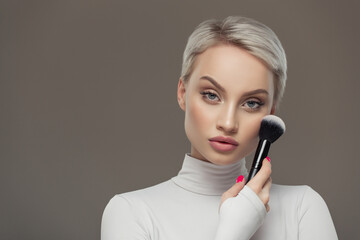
207 178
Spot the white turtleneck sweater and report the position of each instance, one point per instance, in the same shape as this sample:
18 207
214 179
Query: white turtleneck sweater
186 207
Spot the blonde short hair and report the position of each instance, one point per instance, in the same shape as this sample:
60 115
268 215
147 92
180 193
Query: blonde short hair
246 33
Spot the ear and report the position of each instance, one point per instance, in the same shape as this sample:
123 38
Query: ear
181 94
273 109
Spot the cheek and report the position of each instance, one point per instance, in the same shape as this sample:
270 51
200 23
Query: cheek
254 126
198 117
250 130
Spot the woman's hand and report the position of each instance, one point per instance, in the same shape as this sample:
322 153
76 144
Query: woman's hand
260 184
243 207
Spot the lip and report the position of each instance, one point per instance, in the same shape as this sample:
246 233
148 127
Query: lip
228 140
223 144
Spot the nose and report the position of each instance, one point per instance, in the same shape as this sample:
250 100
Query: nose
227 119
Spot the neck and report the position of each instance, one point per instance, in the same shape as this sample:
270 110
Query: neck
207 178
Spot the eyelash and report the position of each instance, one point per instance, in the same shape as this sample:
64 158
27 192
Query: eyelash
206 94
259 104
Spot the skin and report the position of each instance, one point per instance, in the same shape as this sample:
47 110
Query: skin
227 108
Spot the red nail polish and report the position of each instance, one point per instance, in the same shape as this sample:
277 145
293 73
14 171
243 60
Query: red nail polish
268 159
240 179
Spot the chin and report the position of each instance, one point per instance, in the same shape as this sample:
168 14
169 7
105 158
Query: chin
224 159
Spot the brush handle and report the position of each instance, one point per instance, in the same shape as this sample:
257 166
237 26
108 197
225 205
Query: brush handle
261 153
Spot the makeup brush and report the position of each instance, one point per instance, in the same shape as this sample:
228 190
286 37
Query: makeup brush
272 127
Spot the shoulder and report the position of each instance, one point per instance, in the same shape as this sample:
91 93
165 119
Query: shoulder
307 209
300 193
290 190
137 201
130 212
303 198
141 195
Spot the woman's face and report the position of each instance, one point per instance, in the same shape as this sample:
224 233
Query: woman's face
227 95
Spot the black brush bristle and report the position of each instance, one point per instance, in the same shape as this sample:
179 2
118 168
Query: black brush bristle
272 127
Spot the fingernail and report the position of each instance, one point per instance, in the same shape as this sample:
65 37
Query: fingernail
240 179
268 159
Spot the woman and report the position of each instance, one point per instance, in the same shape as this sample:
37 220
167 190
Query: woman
233 74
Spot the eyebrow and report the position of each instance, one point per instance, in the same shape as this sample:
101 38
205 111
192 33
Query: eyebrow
216 84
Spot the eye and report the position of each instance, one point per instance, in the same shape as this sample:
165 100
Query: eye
253 104
209 96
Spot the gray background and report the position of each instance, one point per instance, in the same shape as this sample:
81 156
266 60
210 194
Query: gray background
88 105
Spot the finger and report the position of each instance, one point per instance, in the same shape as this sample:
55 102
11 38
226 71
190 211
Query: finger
261 177
264 195
267 207
267 185
235 189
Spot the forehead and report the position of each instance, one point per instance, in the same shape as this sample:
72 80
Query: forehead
233 67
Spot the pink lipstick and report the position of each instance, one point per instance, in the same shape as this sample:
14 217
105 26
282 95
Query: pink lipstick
223 144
